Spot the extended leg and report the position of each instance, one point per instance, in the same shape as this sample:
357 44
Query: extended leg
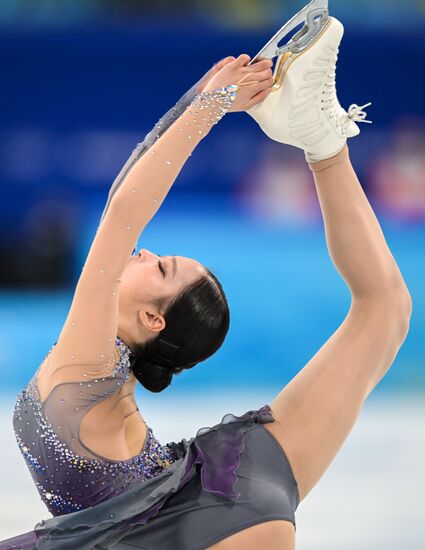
354 237
317 409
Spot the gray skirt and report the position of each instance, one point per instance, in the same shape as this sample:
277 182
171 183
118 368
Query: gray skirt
228 478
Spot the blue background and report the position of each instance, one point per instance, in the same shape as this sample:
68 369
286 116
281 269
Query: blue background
76 100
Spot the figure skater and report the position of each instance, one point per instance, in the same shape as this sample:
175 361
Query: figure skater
103 475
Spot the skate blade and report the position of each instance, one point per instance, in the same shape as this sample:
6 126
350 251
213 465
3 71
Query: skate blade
314 16
288 58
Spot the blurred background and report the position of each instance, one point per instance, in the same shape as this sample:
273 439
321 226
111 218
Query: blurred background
83 82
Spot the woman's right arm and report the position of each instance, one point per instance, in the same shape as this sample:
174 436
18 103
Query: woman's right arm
148 181
88 335
161 126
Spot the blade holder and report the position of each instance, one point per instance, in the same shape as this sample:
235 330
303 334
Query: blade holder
314 15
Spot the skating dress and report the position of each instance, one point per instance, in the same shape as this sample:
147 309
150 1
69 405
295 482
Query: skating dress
184 495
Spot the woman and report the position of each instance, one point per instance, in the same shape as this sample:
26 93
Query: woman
144 317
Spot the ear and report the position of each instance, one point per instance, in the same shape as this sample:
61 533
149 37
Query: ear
152 321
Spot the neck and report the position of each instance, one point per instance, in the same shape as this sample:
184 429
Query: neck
129 330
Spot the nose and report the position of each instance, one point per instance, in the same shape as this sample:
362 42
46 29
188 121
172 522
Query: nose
145 253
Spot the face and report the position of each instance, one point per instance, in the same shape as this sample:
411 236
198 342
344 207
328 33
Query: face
149 276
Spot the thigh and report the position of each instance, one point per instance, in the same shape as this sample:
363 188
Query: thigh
317 409
273 535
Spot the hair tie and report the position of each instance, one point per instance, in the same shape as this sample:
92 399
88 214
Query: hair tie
169 343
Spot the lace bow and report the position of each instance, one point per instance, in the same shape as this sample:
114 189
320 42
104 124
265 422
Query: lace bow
355 113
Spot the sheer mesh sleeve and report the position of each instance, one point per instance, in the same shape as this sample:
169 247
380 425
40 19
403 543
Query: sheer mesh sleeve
160 127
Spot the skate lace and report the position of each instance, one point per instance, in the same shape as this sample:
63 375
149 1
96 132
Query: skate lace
329 102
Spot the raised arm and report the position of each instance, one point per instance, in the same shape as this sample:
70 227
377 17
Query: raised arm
161 126
88 335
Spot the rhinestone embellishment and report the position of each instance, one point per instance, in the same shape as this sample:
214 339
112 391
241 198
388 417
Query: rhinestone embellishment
68 476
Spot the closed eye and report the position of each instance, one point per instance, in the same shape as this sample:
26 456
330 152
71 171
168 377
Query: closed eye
161 269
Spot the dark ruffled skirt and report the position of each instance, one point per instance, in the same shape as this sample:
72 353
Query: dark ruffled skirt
213 454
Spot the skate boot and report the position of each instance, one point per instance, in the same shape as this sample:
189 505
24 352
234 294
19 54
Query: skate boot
303 109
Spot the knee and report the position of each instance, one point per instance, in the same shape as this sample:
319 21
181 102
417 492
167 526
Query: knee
402 307
394 304
406 311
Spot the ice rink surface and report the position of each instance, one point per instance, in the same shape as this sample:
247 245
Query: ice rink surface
370 498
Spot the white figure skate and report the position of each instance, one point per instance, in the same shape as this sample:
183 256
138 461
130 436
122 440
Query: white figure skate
303 109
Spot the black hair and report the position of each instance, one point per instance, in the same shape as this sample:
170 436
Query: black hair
197 320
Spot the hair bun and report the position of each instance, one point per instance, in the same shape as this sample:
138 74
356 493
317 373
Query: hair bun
151 375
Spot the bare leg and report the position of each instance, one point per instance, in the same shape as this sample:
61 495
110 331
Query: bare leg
315 412
317 409
354 237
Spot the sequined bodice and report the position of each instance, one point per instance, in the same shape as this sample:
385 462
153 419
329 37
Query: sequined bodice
69 476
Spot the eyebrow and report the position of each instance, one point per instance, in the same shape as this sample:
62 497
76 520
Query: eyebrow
174 266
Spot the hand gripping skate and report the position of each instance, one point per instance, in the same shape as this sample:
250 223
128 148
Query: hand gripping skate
303 110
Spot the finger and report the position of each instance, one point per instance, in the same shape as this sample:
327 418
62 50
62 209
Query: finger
219 65
252 78
261 75
242 60
258 98
223 62
260 86
260 65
